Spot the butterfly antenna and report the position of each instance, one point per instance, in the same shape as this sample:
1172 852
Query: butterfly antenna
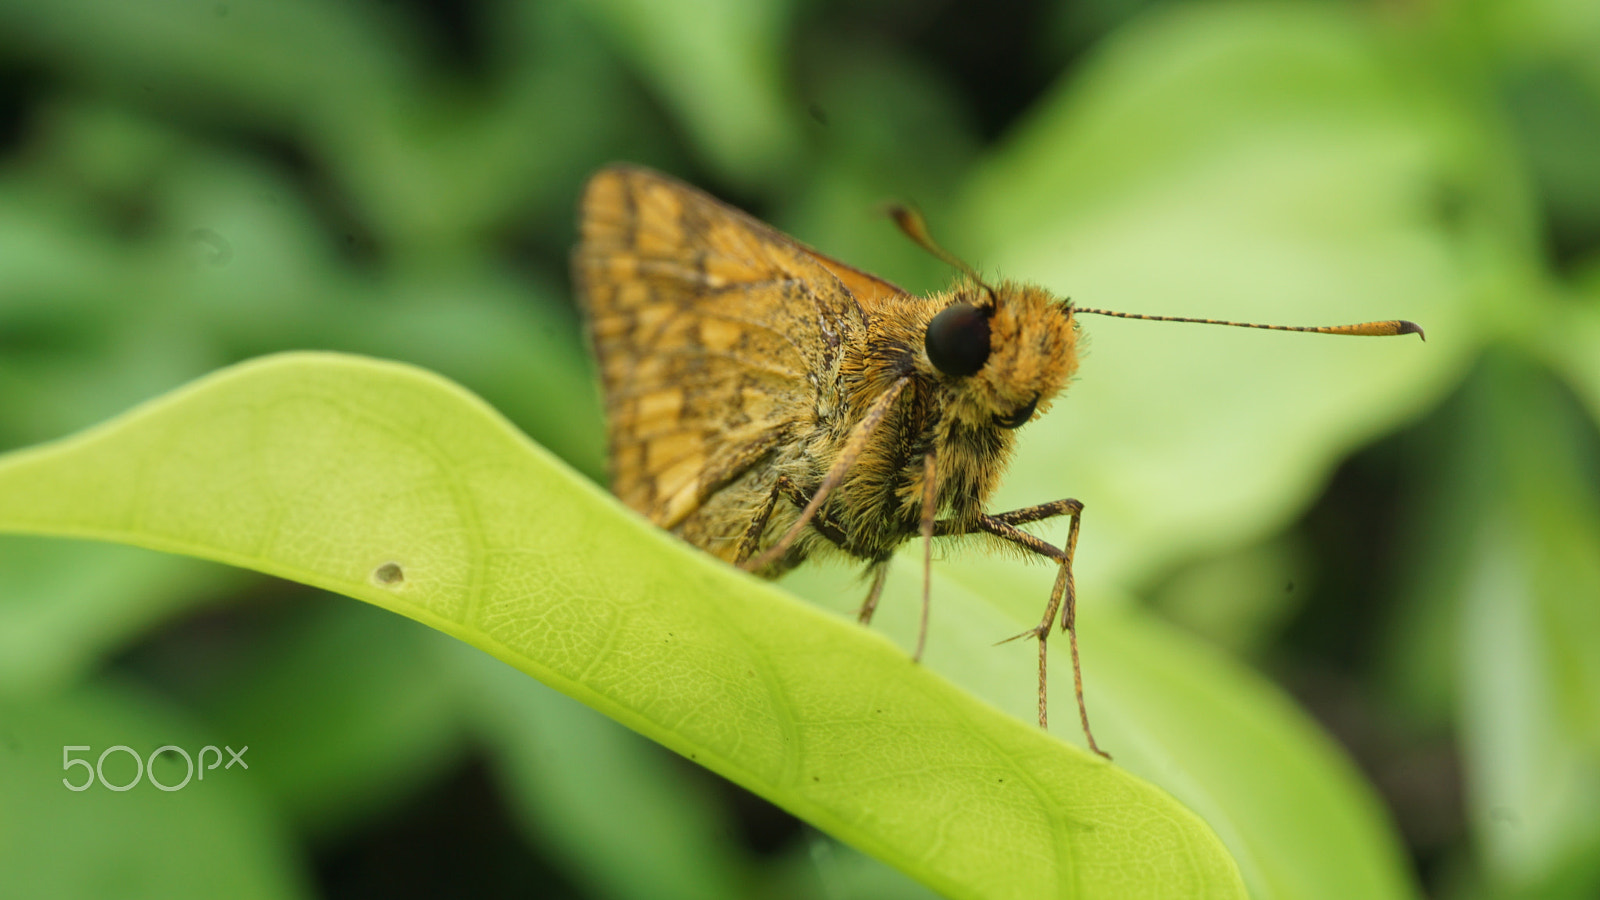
1365 329
911 222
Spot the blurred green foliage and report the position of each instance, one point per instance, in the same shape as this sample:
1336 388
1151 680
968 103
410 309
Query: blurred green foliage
187 184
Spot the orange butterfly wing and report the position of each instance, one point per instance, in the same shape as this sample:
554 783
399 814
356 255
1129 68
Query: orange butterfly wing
716 335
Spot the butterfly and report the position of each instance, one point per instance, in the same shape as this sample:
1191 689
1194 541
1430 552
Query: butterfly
768 403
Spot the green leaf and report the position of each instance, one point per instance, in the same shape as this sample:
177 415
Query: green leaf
285 61
717 63
1247 162
1530 679
1295 813
387 484
583 786
1573 346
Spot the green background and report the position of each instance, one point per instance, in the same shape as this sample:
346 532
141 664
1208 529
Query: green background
1404 536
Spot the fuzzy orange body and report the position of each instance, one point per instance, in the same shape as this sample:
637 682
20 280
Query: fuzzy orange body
733 356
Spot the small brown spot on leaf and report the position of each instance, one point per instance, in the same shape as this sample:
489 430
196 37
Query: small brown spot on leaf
390 574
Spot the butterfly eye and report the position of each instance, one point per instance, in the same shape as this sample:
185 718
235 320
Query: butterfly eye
958 340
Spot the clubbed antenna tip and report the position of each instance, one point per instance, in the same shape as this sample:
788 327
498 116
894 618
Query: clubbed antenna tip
911 223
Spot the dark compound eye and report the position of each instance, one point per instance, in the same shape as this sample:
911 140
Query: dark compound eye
958 340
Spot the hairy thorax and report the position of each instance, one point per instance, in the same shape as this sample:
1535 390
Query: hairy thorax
968 423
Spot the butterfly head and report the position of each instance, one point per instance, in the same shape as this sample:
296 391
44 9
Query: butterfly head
1003 351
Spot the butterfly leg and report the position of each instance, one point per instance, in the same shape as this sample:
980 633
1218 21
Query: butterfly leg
856 443
830 530
758 524
784 487
1063 596
1022 516
881 567
1040 512
880 572
822 523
